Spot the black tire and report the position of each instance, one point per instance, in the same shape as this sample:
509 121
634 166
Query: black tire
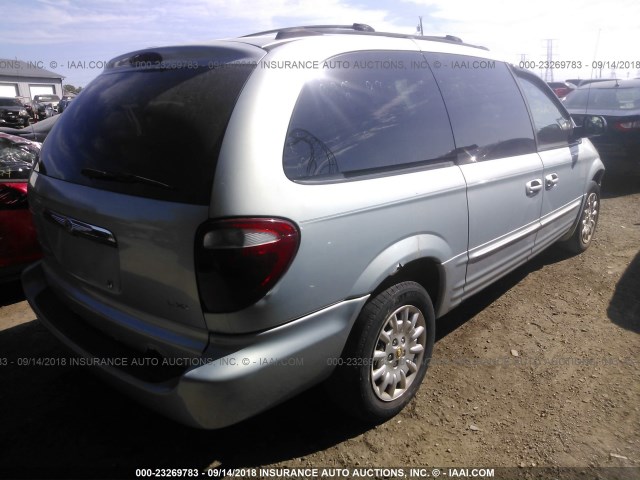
586 228
353 386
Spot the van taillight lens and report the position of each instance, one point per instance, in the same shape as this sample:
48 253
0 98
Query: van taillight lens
626 126
239 260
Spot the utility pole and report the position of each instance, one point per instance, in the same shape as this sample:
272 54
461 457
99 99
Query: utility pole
523 59
420 30
548 73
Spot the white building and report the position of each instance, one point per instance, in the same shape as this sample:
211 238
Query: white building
21 79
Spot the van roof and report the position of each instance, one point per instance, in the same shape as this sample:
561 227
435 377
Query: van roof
250 48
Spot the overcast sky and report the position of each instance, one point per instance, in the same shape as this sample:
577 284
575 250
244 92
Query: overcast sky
73 37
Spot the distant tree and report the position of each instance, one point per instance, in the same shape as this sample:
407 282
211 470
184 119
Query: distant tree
72 89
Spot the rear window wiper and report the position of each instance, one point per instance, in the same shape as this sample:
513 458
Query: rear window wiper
122 177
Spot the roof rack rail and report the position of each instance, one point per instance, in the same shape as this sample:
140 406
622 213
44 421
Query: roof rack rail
308 30
355 29
453 38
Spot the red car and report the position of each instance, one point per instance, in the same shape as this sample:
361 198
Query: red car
18 244
561 89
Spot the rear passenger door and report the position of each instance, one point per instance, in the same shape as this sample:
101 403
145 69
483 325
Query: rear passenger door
564 174
496 152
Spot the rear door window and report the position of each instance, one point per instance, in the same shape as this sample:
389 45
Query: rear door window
367 112
487 111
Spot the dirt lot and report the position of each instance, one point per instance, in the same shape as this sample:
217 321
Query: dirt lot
540 370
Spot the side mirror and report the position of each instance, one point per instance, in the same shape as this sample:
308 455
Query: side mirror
592 125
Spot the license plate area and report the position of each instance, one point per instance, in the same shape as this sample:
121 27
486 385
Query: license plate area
88 252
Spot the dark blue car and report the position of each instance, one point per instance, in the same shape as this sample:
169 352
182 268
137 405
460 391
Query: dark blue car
618 101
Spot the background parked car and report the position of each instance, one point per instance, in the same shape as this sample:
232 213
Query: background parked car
36 132
64 103
13 113
579 82
18 244
26 102
45 105
618 101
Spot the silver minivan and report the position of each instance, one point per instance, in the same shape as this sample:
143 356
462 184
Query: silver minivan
228 224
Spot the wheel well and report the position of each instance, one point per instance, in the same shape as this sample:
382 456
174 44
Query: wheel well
598 177
425 271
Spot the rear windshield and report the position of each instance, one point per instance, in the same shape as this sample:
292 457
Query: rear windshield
10 102
153 133
604 99
47 98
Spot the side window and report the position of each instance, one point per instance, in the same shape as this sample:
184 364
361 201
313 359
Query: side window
370 111
553 126
487 111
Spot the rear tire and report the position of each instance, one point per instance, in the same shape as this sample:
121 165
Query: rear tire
387 354
586 228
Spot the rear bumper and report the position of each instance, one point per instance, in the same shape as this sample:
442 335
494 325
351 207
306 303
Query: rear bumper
237 377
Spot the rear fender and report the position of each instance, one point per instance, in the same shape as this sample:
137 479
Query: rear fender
391 260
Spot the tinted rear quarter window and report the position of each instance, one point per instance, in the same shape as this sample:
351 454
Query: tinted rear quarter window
487 111
164 125
367 112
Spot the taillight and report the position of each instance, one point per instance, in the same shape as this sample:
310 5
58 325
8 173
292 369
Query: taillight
13 195
239 260
625 126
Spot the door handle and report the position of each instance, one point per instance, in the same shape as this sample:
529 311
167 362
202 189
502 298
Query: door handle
533 187
550 180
